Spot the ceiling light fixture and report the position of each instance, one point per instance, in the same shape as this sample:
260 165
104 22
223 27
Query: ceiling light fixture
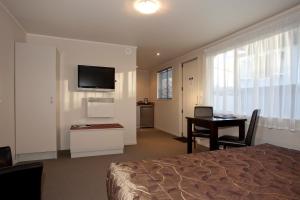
158 54
147 6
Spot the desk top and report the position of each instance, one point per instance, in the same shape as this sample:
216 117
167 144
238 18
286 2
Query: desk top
216 119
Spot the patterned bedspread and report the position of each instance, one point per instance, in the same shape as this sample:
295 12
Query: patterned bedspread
260 172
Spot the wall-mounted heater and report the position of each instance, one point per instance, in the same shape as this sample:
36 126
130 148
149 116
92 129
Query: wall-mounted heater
100 107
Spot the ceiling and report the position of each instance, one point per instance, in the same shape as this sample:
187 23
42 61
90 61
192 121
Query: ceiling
180 26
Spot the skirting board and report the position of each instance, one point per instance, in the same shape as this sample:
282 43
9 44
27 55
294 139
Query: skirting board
95 153
36 156
130 140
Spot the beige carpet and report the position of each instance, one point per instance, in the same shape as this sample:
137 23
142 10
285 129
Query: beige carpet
84 178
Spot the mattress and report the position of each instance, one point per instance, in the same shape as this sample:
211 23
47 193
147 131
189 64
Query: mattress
260 172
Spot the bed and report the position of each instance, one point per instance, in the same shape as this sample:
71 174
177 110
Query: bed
261 172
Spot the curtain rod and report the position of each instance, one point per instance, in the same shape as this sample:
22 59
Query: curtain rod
164 69
187 61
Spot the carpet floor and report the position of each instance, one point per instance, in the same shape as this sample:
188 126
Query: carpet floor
84 178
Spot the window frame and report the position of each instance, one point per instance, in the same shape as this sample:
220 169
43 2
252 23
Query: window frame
158 80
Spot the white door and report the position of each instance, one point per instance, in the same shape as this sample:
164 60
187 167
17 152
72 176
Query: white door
35 82
190 92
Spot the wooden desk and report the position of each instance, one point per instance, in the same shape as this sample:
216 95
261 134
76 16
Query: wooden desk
213 124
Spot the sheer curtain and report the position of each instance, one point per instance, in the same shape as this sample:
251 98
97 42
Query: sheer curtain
259 70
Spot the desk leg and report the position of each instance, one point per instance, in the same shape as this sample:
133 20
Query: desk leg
213 140
189 136
242 131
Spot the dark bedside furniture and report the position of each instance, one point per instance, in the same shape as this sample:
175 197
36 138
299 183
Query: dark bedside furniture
21 181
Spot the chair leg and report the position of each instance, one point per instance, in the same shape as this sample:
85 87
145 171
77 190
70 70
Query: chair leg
195 145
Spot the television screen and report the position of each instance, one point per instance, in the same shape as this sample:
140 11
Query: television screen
96 77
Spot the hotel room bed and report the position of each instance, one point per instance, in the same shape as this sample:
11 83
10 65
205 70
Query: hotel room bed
260 172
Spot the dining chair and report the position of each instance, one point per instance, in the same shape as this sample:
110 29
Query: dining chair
234 141
201 111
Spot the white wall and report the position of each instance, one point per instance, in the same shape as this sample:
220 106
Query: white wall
282 138
10 31
142 84
166 112
73 102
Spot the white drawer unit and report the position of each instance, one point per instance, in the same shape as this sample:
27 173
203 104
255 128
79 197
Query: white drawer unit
96 139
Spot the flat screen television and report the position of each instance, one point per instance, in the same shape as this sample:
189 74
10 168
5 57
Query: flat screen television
96 78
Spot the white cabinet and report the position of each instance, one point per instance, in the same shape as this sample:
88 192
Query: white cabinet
36 101
96 140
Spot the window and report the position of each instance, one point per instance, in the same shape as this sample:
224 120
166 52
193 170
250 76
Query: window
164 84
262 74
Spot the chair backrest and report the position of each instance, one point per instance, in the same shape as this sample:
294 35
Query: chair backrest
5 157
252 128
203 111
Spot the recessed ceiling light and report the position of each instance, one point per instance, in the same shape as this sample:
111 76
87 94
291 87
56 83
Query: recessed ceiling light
147 6
158 54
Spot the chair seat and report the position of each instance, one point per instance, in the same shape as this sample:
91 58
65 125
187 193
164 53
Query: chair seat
228 140
201 129
201 132
232 143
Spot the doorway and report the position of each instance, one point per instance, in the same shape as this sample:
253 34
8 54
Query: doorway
190 91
